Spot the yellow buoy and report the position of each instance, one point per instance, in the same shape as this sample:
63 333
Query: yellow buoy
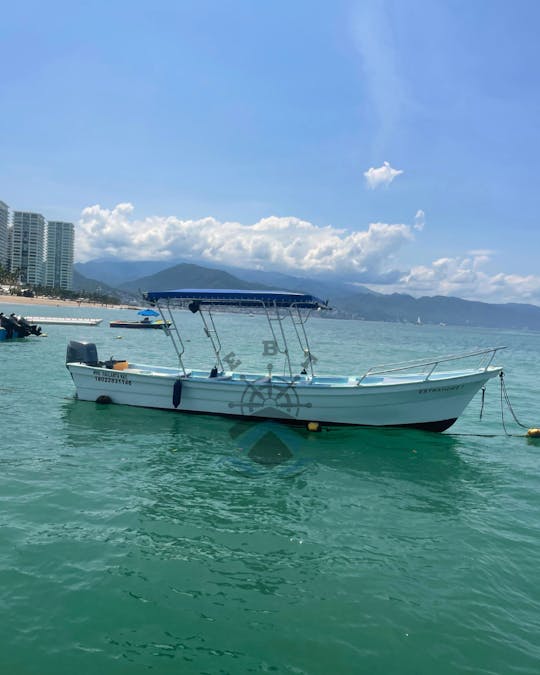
533 433
313 426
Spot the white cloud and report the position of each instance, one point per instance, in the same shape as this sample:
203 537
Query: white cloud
419 220
465 277
284 244
298 247
384 175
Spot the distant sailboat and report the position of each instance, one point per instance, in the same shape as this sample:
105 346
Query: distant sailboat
419 321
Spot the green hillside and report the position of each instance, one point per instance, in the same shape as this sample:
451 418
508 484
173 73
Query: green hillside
187 275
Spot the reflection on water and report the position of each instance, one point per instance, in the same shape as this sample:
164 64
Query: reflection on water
320 501
359 510
407 459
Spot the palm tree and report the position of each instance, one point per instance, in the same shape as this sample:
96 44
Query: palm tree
7 277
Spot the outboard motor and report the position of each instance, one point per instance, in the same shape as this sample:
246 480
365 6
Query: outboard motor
82 352
30 328
18 329
6 324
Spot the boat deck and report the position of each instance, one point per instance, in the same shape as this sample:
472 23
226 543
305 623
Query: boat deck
317 381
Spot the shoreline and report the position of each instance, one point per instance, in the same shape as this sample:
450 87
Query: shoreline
51 302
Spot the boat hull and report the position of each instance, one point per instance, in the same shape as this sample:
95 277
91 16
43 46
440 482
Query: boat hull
15 336
159 325
432 404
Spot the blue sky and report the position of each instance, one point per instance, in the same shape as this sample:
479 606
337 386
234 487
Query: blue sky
245 130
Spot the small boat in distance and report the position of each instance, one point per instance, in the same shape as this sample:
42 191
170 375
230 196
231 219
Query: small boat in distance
428 394
149 321
158 323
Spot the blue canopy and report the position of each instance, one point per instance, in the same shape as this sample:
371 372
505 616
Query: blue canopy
239 298
148 312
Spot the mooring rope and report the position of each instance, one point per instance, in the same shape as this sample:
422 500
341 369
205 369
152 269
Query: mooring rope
506 399
483 399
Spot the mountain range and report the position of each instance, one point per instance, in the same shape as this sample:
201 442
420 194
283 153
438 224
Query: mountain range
128 279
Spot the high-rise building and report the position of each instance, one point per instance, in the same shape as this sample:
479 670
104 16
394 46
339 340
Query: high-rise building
9 246
4 221
59 265
27 246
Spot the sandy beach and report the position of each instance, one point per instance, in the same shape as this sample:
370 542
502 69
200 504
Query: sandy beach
50 302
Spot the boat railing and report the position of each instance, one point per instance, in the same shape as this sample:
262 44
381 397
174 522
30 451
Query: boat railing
429 366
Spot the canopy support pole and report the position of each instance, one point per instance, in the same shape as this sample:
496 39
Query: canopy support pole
212 335
173 332
282 347
300 321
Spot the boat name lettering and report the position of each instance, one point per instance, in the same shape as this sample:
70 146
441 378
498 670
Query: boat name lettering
430 390
114 377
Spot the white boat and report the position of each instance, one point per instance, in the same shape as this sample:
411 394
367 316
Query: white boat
427 394
64 320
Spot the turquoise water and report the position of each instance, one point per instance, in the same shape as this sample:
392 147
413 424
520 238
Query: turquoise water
137 541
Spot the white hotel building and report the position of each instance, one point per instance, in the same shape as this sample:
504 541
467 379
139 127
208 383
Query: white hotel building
28 246
59 255
40 252
4 222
